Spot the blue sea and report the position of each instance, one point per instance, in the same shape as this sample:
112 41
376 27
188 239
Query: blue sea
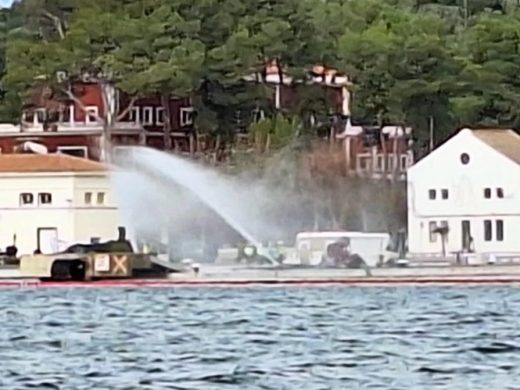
261 338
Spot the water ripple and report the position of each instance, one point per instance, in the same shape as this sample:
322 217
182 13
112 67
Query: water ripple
259 338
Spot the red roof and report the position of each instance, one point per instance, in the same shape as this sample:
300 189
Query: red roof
41 163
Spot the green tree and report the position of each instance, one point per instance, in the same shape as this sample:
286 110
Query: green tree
403 70
489 53
81 41
412 61
11 21
162 54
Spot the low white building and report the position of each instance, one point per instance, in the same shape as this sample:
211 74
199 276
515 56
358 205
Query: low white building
470 186
51 201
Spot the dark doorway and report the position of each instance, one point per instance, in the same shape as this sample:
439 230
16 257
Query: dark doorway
466 236
47 239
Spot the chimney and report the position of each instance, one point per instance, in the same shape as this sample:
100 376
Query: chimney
122 233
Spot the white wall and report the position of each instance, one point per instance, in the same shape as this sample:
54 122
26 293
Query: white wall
95 219
75 220
23 221
419 236
443 169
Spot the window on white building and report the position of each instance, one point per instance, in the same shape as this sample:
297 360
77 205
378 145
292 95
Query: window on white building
134 115
433 234
499 229
91 114
445 193
500 193
148 116
44 198
432 194
40 115
100 198
404 162
488 230
159 115
36 116
390 163
66 114
380 163
88 197
487 193
186 116
464 158
27 116
445 226
363 163
26 198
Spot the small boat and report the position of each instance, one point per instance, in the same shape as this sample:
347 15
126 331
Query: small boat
113 259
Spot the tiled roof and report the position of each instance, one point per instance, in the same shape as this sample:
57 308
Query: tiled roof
41 163
504 141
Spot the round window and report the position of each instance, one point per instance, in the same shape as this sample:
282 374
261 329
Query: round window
464 158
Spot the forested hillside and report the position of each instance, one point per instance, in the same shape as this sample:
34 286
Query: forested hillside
456 61
452 63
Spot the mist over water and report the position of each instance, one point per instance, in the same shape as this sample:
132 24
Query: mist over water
159 192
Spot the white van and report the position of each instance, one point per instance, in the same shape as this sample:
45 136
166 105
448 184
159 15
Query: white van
372 247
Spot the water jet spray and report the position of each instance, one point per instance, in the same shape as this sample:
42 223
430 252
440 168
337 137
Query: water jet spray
206 186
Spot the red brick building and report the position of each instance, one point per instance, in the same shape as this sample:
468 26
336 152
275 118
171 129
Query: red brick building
76 126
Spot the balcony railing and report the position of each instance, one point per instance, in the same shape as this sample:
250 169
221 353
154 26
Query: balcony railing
383 165
75 127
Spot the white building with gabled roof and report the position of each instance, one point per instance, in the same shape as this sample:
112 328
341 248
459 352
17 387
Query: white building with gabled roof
465 196
51 201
